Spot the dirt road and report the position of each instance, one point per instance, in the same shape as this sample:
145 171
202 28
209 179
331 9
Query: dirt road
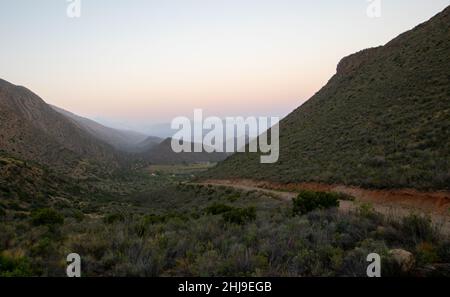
396 203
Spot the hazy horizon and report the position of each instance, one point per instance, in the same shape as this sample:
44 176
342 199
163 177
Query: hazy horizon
138 63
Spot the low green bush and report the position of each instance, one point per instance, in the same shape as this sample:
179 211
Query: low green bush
47 217
113 218
15 267
153 219
218 208
240 216
426 253
308 201
417 229
444 252
232 214
15 206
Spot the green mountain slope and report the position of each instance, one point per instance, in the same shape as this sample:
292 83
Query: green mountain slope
31 130
382 121
28 182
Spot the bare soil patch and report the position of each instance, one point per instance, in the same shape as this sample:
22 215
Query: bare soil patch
397 203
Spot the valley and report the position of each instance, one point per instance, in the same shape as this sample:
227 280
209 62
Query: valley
362 167
137 224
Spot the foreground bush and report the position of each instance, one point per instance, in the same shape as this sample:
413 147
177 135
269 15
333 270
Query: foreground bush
308 201
113 218
14 266
240 216
218 208
418 229
47 217
230 214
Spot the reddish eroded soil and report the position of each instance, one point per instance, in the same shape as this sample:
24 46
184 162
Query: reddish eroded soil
395 203
399 200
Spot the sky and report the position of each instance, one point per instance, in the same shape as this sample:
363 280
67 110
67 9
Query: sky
133 63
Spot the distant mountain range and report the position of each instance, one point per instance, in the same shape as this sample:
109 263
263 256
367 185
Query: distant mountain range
383 120
122 140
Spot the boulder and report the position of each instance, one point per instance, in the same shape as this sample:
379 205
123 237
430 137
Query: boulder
404 259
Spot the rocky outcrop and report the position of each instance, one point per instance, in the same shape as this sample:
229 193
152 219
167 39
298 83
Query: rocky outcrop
352 62
403 259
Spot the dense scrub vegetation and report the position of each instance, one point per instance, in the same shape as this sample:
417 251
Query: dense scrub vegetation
308 201
160 226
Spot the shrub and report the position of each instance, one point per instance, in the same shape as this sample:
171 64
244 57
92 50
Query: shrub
14 266
78 215
308 201
444 252
7 236
240 216
417 229
343 196
47 217
44 247
218 208
367 211
153 219
233 198
426 253
232 214
114 217
15 206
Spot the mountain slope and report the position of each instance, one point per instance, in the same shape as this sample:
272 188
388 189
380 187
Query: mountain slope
30 129
149 143
30 182
123 140
383 120
163 154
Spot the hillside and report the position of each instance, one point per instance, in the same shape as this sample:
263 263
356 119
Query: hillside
163 154
383 120
29 182
31 130
147 144
122 140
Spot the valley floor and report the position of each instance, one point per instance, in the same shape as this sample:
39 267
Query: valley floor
156 222
396 203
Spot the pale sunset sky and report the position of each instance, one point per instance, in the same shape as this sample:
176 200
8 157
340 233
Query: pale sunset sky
146 61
